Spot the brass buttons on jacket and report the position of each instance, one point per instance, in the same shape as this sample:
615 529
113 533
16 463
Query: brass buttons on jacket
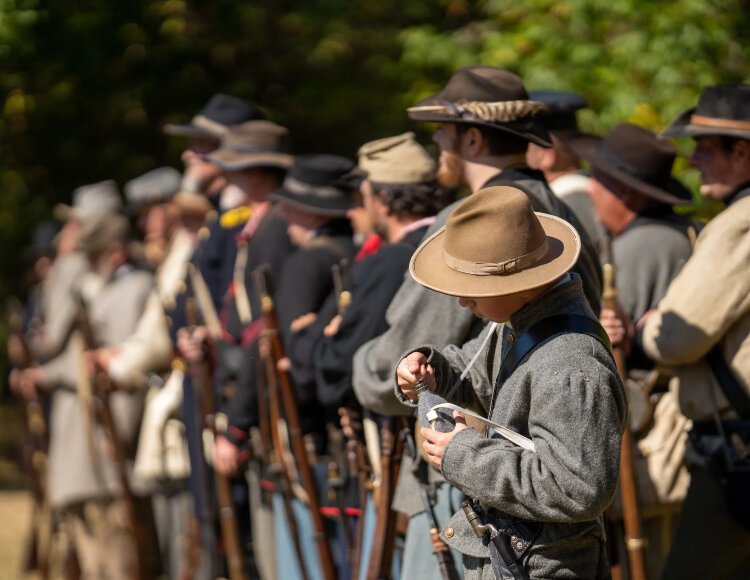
449 532
511 339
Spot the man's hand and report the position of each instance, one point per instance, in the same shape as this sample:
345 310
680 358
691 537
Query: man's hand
411 369
102 357
284 365
618 327
226 456
351 422
332 328
435 442
302 322
26 382
191 343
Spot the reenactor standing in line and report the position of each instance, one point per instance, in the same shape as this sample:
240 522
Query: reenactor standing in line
486 123
253 158
213 259
633 193
401 195
94 423
161 462
314 201
59 310
701 328
541 475
218 248
561 166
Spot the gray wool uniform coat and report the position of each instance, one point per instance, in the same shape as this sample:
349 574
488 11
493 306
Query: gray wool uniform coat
78 470
417 315
567 397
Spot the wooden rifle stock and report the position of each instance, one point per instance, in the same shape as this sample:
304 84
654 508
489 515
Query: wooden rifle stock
201 372
289 403
381 555
103 389
634 542
275 461
358 469
342 285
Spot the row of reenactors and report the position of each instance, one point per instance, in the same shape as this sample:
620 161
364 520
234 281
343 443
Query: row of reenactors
196 305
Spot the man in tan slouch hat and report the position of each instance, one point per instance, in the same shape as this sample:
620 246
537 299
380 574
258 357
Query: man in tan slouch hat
548 375
701 328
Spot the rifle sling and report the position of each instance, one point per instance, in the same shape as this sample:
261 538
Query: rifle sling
730 385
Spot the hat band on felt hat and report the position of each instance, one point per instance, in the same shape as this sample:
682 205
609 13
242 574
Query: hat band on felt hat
497 268
296 186
605 155
203 122
719 123
498 112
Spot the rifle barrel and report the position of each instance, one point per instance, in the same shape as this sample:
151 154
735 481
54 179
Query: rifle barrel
634 543
201 371
289 405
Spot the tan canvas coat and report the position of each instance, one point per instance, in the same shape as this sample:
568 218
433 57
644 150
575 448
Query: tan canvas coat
707 303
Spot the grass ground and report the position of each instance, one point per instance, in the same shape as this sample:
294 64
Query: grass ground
15 501
15 510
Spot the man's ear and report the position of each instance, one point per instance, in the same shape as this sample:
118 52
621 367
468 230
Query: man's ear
548 158
741 151
472 143
380 206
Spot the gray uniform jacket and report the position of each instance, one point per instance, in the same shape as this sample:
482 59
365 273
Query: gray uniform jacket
567 397
58 307
417 316
78 469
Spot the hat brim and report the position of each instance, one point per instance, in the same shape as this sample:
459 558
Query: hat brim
192 203
429 269
682 127
531 130
233 161
190 130
318 206
586 147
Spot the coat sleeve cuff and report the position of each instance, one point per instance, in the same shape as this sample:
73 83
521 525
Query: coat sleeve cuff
426 350
236 436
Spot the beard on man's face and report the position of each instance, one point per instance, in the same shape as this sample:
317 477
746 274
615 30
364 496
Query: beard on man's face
451 169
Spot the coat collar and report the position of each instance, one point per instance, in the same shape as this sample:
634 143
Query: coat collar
741 192
566 297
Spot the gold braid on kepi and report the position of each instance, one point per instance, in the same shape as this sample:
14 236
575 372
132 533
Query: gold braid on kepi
498 112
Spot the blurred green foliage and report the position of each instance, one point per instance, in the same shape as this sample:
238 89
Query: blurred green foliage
86 87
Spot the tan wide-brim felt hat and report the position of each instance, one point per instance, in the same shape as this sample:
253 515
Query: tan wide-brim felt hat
494 244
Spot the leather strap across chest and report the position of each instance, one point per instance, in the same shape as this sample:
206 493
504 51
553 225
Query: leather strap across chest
538 333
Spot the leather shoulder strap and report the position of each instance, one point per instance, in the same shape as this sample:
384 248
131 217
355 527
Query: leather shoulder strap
730 386
545 329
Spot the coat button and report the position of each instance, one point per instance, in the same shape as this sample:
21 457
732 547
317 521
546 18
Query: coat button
511 339
449 532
